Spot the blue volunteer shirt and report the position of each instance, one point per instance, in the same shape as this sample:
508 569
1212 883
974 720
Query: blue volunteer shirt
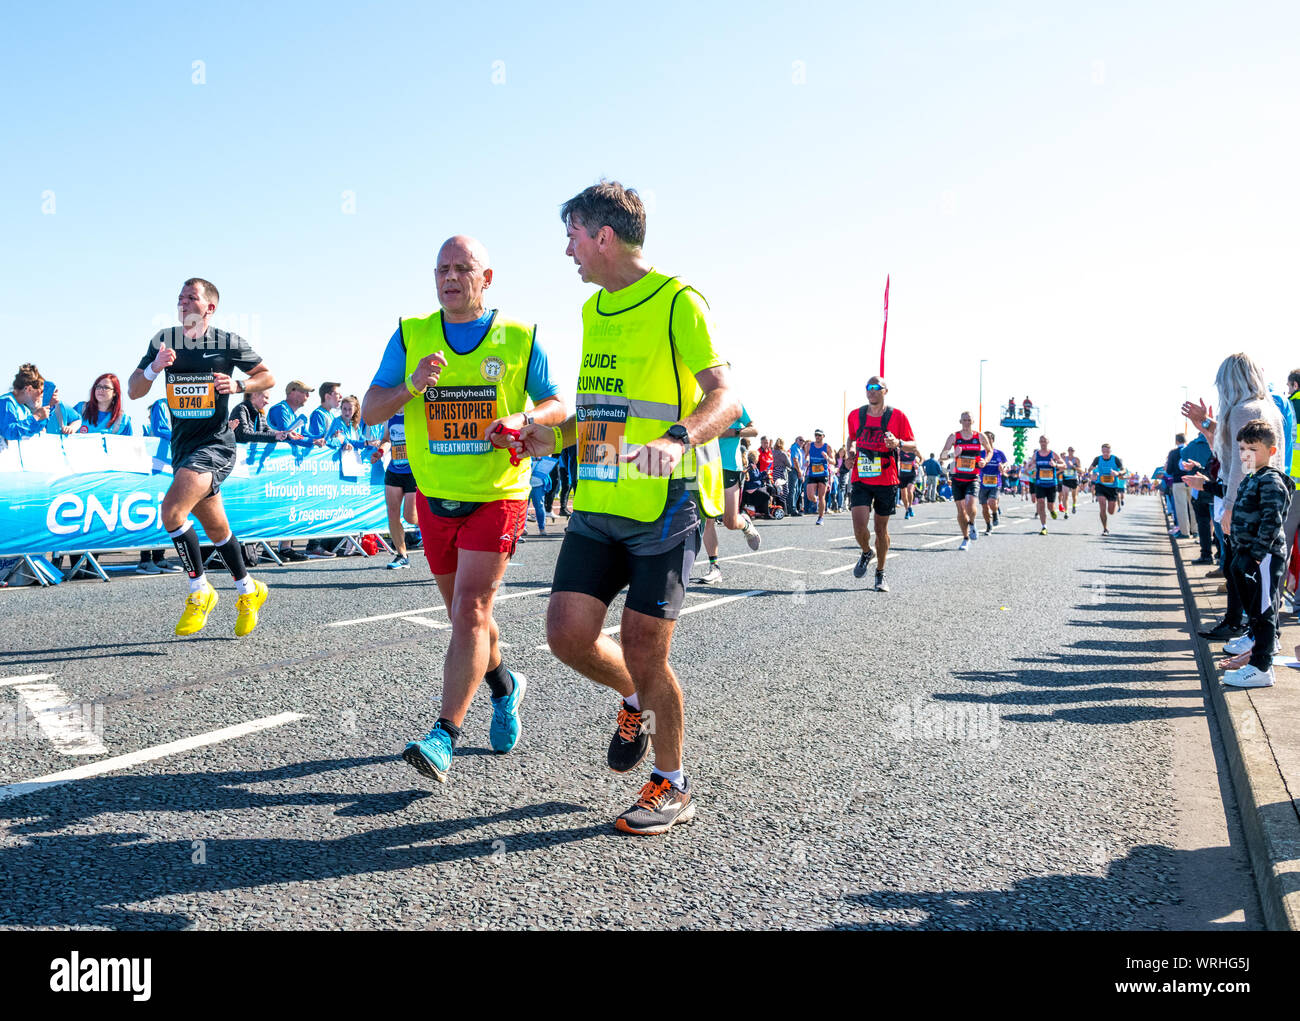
98 422
160 419
463 338
283 418
321 423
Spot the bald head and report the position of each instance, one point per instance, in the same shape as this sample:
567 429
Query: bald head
464 275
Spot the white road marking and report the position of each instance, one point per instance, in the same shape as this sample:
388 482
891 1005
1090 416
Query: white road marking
441 625
15 790
60 721
432 609
940 542
10 681
756 553
613 630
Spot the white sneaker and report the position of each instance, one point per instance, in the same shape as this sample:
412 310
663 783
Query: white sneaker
965 545
818 521
751 535
1240 644
711 576
1249 677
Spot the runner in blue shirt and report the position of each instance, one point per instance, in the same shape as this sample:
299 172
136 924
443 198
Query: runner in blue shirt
399 487
991 484
733 517
820 462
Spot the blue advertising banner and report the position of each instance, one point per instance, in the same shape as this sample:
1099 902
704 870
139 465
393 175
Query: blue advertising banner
101 492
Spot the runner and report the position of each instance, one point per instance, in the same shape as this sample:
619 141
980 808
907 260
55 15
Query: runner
991 484
1046 464
880 434
1012 477
733 517
1105 473
196 361
907 465
1070 480
820 457
464 374
968 449
399 487
651 384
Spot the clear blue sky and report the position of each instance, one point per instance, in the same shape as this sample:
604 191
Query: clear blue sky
1100 200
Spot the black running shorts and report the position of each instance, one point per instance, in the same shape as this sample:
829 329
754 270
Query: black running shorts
962 488
730 478
882 498
655 583
216 458
1047 493
1070 483
405 481
988 493
906 478
1106 492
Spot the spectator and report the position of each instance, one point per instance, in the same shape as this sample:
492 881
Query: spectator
1293 441
160 421
1196 458
568 477
764 454
345 430
250 421
755 493
322 419
22 412
1011 407
102 413
798 459
1178 491
1029 408
287 416
932 471
780 472
541 482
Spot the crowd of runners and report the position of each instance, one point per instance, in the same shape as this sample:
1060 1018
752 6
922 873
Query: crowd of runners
468 397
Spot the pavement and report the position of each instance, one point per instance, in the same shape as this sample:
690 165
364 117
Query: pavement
1261 732
1015 737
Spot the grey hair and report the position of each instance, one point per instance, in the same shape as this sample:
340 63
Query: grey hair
1238 380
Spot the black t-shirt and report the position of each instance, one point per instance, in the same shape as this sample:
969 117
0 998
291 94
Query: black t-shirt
200 416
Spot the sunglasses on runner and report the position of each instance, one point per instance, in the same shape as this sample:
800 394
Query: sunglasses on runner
874 386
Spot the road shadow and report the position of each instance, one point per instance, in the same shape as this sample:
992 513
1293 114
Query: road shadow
1131 895
98 876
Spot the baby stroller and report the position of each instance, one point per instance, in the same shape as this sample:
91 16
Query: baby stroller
764 502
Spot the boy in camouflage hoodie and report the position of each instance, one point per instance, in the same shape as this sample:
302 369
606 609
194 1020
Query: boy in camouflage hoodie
1259 554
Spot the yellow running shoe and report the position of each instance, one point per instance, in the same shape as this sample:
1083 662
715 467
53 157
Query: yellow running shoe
248 606
197 607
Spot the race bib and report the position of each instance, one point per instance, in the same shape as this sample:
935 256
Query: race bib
399 452
990 480
816 469
967 464
601 432
457 418
1046 475
1068 476
191 394
869 466
1108 480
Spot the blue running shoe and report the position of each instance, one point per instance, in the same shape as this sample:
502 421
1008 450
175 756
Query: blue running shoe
505 728
431 755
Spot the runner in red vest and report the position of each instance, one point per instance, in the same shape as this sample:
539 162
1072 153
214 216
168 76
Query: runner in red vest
879 434
969 449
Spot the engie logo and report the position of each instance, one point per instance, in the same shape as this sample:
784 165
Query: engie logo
102 975
69 514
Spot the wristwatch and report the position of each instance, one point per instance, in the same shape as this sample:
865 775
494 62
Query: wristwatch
678 432
528 418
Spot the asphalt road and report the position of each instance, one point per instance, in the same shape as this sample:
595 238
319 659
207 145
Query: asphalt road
1014 737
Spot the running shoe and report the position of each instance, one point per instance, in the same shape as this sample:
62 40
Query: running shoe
1061 507
712 576
1249 676
1067 515
751 535
970 531
995 518
1222 629
965 545
988 529
630 742
881 584
431 755
1043 530
397 563
503 733
1053 512
197 607
659 807
860 569
148 567
818 521
1242 643
1105 531
167 567
247 607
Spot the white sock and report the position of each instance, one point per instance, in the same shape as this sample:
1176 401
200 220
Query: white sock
634 702
196 584
245 585
676 777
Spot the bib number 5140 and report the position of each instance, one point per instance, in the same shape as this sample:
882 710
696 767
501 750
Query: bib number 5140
460 431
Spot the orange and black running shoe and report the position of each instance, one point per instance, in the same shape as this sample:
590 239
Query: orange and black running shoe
630 742
659 807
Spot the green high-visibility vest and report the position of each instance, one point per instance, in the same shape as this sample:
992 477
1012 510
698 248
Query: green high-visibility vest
446 425
632 385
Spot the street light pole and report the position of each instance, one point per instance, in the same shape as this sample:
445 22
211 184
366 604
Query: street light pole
982 361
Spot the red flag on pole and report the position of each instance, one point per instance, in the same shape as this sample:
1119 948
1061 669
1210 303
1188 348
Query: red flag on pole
885 331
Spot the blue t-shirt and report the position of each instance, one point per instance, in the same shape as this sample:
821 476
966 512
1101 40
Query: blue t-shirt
991 468
321 423
397 434
98 423
160 419
17 421
463 338
730 445
282 417
819 460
